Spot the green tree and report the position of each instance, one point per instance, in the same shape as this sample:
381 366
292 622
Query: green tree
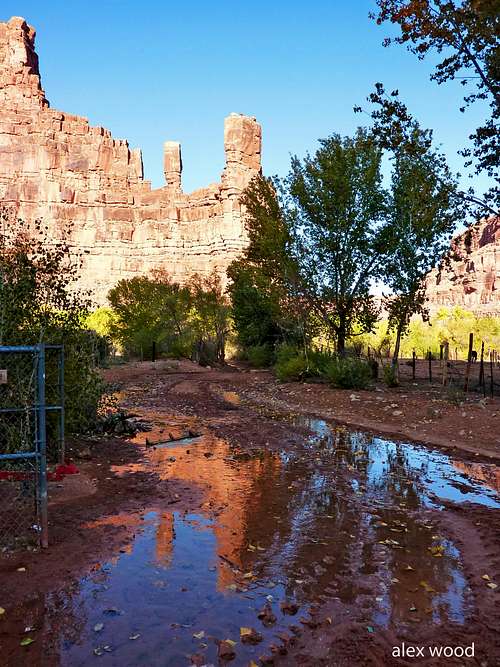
255 308
148 309
424 207
265 284
211 313
335 211
39 304
466 35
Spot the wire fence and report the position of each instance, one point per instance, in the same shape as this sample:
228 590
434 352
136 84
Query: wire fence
31 433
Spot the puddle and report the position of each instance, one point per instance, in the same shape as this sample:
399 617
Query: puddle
344 518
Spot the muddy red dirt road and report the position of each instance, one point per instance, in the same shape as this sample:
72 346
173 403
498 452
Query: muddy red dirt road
249 525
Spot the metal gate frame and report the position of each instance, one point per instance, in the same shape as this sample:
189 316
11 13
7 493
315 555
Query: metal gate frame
39 453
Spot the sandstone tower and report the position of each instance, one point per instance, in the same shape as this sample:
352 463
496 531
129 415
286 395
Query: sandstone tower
54 166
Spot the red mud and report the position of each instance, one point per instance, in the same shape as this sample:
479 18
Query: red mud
96 515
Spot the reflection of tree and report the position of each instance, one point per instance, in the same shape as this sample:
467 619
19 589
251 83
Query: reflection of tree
55 616
397 486
309 517
322 502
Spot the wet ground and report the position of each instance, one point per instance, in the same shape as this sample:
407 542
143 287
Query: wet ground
315 544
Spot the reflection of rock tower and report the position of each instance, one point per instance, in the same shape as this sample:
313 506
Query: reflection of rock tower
235 496
165 535
55 166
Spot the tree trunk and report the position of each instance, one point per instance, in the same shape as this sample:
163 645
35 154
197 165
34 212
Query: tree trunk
395 357
341 336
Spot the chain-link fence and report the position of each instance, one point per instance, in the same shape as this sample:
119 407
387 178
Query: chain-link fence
31 431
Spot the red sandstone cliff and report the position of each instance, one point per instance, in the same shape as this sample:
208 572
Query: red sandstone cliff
473 278
54 166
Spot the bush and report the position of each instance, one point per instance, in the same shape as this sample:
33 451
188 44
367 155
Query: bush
39 303
348 373
295 368
318 362
390 375
285 352
260 356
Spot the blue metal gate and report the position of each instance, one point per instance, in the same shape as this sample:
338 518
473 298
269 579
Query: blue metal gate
31 432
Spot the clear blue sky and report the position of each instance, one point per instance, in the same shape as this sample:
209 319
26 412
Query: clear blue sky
156 70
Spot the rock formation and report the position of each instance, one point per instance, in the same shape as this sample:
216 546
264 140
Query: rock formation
472 279
56 167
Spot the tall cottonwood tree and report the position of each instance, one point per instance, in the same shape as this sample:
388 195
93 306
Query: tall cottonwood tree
317 239
335 209
424 207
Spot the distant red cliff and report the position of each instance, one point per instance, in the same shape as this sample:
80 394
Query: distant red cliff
472 279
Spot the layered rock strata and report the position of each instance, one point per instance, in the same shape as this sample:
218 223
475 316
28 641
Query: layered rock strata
472 280
54 166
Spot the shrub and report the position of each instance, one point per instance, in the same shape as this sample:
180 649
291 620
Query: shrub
260 356
318 362
295 368
390 375
349 373
39 303
285 352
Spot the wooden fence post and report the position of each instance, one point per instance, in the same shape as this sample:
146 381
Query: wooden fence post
491 375
445 363
481 370
469 360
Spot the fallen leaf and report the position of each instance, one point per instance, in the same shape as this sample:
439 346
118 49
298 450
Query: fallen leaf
226 649
133 637
21 569
199 635
250 636
2 611
98 651
486 577
266 615
426 587
492 585
288 607
26 641
98 627
369 628
437 550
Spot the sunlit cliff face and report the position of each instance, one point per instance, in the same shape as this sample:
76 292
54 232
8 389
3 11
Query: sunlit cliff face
90 190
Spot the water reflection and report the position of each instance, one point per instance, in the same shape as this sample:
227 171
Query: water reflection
346 516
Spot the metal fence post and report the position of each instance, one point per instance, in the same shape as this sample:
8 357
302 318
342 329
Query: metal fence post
42 446
62 453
